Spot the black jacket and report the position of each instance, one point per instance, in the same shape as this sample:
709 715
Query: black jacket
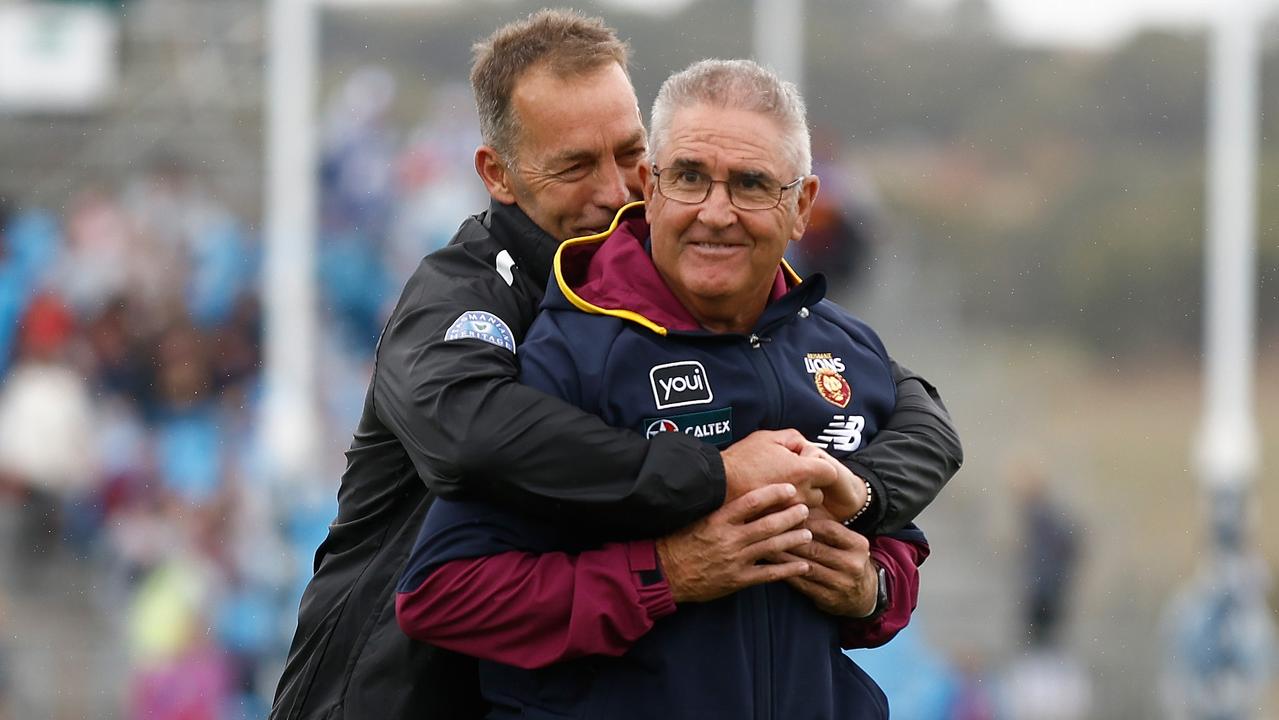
447 418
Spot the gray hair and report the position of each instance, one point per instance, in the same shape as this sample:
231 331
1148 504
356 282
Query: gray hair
737 85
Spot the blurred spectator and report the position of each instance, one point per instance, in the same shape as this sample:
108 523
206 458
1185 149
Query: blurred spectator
971 698
181 673
28 245
189 442
1050 545
222 264
835 243
358 150
45 425
238 340
841 230
356 288
1046 682
96 265
1221 631
438 152
121 359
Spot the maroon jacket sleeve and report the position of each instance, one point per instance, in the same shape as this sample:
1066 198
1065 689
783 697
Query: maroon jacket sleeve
900 560
534 609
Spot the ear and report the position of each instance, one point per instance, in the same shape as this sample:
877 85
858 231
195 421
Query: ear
649 182
495 175
804 210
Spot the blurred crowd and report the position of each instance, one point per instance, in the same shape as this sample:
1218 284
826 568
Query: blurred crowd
130 348
130 378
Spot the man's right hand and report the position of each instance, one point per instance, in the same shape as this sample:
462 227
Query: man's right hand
717 555
766 457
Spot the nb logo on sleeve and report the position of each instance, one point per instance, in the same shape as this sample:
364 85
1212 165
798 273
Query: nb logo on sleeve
680 383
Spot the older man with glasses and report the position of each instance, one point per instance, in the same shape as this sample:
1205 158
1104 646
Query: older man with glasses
684 318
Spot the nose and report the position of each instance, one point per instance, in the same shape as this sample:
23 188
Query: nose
717 211
618 185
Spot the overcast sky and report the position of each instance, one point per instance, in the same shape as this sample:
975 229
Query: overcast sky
1068 22
1054 22
1093 22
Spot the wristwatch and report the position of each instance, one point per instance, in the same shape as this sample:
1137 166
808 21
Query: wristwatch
881 594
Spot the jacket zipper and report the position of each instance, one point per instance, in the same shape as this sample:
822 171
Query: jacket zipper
763 654
767 374
766 371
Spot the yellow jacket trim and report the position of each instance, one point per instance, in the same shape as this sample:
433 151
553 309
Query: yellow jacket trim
582 304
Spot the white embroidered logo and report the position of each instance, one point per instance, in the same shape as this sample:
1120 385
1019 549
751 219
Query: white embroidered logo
680 383
504 264
843 433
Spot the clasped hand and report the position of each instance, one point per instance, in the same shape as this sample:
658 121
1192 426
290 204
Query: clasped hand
777 523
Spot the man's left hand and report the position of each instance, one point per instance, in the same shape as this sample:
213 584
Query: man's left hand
844 497
842 579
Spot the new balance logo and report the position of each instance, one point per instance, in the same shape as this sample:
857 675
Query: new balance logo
843 433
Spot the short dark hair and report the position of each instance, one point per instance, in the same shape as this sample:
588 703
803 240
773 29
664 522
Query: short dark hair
567 42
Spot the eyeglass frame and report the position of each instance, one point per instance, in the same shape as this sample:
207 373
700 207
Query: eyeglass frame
781 190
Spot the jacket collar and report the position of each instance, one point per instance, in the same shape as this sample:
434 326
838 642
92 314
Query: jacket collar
531 247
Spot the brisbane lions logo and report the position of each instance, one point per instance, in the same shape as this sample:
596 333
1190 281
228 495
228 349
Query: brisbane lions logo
825 369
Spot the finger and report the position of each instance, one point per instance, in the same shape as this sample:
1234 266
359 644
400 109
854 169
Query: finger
825 599
836 535
808 587
791 439
842 562
757 502
812 497
777 544
817 470
819 513
836 579
815 451
774 523
811 450
760 574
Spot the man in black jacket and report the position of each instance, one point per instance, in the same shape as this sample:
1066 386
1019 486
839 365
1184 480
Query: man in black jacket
444 416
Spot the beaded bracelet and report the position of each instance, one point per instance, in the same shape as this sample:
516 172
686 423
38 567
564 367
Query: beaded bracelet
870 495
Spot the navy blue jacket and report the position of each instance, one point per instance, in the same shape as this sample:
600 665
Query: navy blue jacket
614 341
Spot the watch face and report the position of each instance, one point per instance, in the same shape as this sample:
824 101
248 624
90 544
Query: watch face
881 597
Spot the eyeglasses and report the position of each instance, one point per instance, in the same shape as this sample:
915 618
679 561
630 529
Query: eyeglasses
747 191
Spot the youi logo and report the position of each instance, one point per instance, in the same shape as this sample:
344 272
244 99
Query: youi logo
680 383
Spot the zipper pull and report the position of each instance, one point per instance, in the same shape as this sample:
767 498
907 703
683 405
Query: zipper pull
756 340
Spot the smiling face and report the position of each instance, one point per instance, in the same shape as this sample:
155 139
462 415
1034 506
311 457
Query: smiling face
719 260
578 151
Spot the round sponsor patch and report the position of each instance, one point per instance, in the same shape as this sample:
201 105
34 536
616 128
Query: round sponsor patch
833 387
660 426
480 325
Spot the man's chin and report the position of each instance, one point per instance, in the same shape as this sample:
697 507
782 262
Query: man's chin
586 231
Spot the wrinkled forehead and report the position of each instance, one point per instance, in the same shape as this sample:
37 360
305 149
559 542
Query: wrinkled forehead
569 115
713 139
